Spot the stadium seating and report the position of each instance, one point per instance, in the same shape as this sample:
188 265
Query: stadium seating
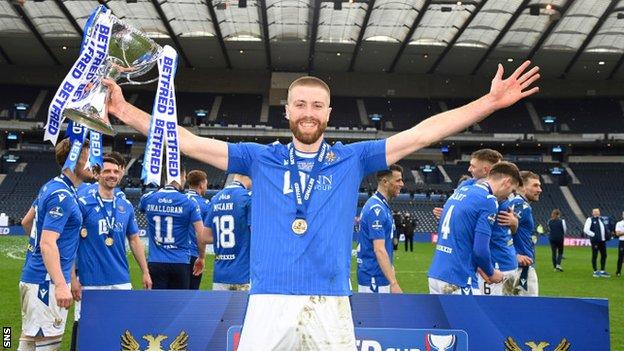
600 187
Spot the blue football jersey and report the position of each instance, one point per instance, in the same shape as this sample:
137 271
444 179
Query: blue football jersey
501 244
229 217
318 261
98 263
203 204
523 239
467 182
56 209
169 214
471 209
85 189
376 223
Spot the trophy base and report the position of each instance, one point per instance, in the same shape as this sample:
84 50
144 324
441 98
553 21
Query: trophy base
90 121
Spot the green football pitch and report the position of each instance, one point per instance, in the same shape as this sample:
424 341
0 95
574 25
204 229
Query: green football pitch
411 268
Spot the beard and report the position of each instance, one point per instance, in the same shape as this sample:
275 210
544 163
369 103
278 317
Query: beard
307 138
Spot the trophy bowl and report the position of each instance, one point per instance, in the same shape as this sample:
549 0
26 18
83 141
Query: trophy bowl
130 54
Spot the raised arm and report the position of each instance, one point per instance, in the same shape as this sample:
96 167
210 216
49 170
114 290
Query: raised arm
207 150
503 93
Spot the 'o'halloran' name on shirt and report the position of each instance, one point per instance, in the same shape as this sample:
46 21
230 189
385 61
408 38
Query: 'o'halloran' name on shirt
165 208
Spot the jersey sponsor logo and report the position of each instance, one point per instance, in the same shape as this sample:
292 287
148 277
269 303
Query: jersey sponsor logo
163 200
129 343
224 197
512 345
56 212
323 182
445 249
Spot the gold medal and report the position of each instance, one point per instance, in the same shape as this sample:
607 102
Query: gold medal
83 232
299 226
109 241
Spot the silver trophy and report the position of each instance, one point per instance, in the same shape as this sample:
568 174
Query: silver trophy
441 342
130 54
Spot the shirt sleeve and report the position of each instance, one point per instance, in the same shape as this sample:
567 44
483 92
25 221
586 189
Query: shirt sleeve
376 223
483 233
208 218
248 210
241 157
142 202
133 227
57 210
194 211
372 155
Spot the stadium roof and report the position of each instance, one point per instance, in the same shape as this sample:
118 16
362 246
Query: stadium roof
581 39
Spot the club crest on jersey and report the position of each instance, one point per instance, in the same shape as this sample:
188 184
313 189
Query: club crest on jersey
512 345
121 209
129 343
56 212
330 157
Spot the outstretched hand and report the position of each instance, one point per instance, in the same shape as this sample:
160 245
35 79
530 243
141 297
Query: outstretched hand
506 92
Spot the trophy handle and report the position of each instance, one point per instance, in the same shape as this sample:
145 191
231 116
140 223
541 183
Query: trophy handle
133 82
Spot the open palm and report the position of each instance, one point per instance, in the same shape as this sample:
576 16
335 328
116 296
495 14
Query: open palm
506 92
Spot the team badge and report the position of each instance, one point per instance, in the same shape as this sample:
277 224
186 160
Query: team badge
299 226
109 241
83 232
121 209
331 157
511 345
129 343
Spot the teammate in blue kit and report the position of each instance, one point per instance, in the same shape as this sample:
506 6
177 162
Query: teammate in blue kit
502 249
228 222
465 231
169 214
90 187
44 284
197 182
375 271
304 202
526 283
481 162
108 220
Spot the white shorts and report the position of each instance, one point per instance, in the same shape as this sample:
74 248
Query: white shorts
297 323
439 287
496 289
230 287
77 308
381 289
525 284
41 315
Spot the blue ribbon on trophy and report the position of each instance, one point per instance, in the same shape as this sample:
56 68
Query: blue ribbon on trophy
76 134
163 132
80 79
92 53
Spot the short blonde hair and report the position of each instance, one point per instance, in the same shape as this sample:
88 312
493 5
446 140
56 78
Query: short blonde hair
309 81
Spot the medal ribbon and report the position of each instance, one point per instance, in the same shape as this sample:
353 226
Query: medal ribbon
110 219
302 196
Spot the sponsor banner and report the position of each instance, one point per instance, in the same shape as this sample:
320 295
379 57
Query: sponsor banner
210 320
390 339
541 240
12 230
